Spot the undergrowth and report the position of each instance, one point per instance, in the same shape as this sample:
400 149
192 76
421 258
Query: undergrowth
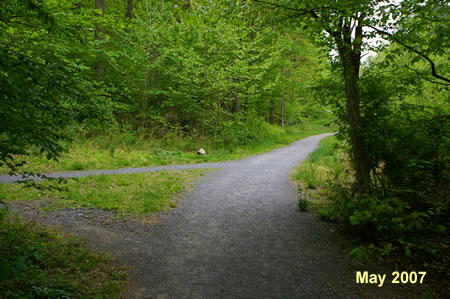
38 263
393 227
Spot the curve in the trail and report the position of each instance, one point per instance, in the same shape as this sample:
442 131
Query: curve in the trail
238 235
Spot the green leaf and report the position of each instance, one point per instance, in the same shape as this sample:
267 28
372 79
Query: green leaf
354 220
358 253
407 251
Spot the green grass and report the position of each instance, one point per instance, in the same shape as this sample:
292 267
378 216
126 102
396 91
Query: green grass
115 150
38 263
133 194
326 164
317 169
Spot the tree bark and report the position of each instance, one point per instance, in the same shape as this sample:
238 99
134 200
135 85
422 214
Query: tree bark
129 11
350 56
283 99
236 102
100 35
217 118
354 117
246 106
272 111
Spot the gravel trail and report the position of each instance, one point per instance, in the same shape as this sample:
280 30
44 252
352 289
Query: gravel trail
237 235
79 174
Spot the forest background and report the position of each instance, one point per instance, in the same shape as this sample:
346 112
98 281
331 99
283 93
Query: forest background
85 82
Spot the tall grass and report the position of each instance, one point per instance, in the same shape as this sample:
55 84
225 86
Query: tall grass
320 165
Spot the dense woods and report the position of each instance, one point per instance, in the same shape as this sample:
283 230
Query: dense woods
207 69
234 72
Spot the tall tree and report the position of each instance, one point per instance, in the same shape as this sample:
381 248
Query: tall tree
346 27
129 9
100 36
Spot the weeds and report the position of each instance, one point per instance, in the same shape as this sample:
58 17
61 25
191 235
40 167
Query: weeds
302 204
37 263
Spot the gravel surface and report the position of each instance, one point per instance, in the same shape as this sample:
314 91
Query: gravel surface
237 235
5 178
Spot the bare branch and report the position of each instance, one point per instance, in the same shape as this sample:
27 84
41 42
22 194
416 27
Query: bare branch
425 78
392 37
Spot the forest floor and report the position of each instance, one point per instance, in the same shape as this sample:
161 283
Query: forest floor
236 235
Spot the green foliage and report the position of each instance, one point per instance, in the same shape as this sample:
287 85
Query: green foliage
44 85
36 263
406 218
159 69
189 77
394 226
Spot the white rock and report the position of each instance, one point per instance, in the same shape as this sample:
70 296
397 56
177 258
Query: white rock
201 151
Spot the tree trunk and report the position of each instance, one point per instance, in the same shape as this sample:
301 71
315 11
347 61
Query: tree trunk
272 111
236 102
100 35
217 118
204 102
129 12
350 55
283 100
246 106
360 158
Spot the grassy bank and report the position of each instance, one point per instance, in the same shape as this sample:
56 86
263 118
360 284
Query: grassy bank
314 175
120 149
133 194
38 263
314 172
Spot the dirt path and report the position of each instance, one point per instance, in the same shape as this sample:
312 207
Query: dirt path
237 235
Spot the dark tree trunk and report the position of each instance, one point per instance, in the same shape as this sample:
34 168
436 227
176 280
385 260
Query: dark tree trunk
246 106
129 12
217 118
100 35
350 55
354 117
272 111
236 102
283 100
